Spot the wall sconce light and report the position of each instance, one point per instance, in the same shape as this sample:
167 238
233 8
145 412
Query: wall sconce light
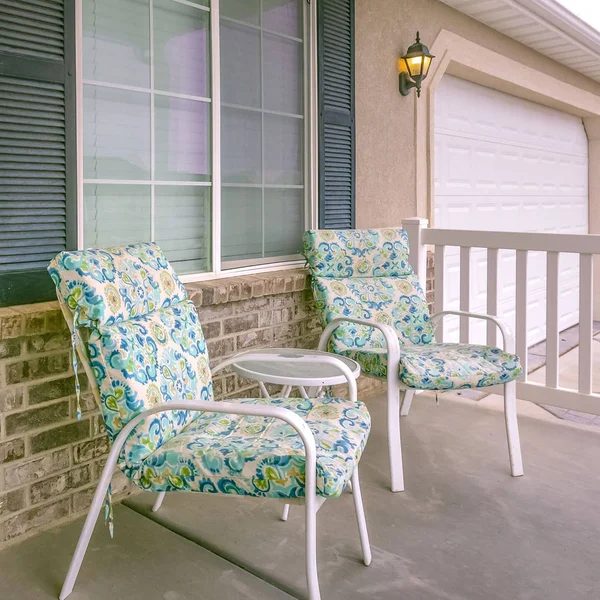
414 66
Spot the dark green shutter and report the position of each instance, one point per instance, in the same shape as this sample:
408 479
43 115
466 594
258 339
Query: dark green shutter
337 146
37 144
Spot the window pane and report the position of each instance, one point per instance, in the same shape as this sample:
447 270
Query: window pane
241 10
117 50
284 221
115 215
283 74
241 148
182 139
241 231
283 150
183 226
116 133
283 16
181 48
240 65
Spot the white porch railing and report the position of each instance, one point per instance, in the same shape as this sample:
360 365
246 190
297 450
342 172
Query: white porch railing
586 246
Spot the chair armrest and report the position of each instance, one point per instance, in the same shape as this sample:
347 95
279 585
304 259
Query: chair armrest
332 360
507 336
389 333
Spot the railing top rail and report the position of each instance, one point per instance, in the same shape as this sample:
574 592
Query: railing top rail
512 240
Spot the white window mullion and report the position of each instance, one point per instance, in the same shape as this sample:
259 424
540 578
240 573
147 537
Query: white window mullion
262 124
216 135
79 117
152 134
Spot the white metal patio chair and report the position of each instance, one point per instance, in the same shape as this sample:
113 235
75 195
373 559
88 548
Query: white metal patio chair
143 350
374 311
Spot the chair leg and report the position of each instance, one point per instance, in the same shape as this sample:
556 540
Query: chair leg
158 502
360 517
312 575
86 533
512 429
406 403
394 443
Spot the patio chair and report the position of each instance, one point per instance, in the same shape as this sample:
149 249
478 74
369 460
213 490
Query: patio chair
374 311
142 347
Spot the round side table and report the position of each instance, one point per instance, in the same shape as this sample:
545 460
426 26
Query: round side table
309 378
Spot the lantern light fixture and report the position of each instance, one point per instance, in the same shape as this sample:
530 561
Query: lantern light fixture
414 66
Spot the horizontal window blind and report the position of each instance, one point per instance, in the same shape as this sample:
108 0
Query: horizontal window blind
37 144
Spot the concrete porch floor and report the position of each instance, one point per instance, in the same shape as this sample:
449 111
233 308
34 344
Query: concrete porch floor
463 529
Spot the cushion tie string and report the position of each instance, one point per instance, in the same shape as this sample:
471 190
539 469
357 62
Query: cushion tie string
108 512
75 364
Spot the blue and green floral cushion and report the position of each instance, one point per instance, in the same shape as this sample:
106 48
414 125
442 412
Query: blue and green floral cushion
442 366
156 358
395 301
116 284
257 456
341 253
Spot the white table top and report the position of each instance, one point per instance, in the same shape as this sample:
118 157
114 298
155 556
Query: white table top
292 371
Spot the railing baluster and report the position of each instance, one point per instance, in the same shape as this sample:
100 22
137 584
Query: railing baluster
492 295
521 311
586 322
439 267
552 319
465 292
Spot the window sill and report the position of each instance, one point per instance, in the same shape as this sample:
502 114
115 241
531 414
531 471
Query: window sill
244 287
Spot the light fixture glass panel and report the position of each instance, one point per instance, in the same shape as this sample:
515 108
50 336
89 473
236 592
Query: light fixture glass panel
242 223
426 65
116 50
181 49
284 221
182 139
183 226
241 146
115 215
116 133
283 16
284 138
240 65
415 64
247 11
284 74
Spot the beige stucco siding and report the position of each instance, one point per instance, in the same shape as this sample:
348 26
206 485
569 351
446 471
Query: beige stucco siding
385 121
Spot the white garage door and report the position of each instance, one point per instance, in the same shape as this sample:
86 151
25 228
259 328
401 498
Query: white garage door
506 164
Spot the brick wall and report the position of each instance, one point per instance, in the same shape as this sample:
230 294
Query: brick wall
49 461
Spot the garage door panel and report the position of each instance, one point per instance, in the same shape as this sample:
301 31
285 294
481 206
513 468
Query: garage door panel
487 168
506 164
465 107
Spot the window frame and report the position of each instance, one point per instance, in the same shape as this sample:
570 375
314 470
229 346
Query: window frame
310 159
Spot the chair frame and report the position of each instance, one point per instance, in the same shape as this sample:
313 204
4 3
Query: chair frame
312 502
399 396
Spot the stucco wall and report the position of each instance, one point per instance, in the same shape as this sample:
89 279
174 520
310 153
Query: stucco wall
385 121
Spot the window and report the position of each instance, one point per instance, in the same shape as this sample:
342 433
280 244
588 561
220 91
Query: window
151 70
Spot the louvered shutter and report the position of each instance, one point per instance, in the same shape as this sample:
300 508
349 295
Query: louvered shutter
37 144
337 154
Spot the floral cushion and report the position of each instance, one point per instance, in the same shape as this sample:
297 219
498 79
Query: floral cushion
442 366
257 456
109 286
156 358
357 253
395 301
